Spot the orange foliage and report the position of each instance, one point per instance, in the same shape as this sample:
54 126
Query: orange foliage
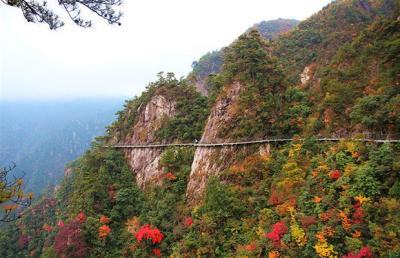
326 216
345 220
329 231
356 234
105 220
47 228
286 206
104 231
9 207
317 199
273 254
250 247
170 176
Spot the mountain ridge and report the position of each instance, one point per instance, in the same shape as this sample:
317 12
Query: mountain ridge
333 74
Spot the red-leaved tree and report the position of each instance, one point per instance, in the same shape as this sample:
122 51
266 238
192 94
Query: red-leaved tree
70 241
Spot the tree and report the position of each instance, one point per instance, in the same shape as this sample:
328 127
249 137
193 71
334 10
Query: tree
12 197
35 11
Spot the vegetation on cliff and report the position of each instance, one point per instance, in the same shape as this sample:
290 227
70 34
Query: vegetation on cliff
300 199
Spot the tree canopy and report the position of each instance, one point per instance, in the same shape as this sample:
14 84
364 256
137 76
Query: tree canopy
35 11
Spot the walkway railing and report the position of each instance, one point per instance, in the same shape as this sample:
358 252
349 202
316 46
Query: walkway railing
230 144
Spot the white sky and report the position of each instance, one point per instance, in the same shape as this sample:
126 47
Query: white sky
156 35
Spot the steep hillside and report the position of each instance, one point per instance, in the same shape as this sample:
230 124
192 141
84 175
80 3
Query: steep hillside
246 107
211 62
317 39
170 110
300 198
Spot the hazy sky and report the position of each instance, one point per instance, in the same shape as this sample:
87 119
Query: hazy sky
156 35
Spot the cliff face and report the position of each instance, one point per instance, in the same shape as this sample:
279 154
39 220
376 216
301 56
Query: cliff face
144 162
208 161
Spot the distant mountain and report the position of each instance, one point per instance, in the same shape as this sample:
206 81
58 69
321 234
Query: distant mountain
41 137
211 62
273 28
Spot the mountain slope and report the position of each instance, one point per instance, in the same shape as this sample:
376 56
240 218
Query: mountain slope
211 62
303 198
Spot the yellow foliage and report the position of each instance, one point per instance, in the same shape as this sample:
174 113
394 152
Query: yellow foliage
260 232
323 249
351 146
349 169
297 232
392 205
30 196
323 167
294 151
361 199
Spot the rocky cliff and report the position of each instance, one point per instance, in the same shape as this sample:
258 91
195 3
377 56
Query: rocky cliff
208 162
144 162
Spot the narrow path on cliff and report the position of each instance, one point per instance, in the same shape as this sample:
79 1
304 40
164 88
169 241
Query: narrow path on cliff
229 144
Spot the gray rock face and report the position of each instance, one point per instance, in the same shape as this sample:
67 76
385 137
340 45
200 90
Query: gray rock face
144 162
208 162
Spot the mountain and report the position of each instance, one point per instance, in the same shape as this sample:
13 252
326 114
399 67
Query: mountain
273 28
41 137
309 195
211 62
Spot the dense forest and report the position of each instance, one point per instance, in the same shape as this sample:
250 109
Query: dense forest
336 74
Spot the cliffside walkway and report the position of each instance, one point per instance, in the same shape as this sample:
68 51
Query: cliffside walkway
230 144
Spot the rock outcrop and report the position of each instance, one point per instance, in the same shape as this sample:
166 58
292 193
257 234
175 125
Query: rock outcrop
144 162
209 161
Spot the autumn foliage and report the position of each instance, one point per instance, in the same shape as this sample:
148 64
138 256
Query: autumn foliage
81 217
70 241
104 231
364 252
149 232
278 230
335 174
157 252
104 220
188 221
